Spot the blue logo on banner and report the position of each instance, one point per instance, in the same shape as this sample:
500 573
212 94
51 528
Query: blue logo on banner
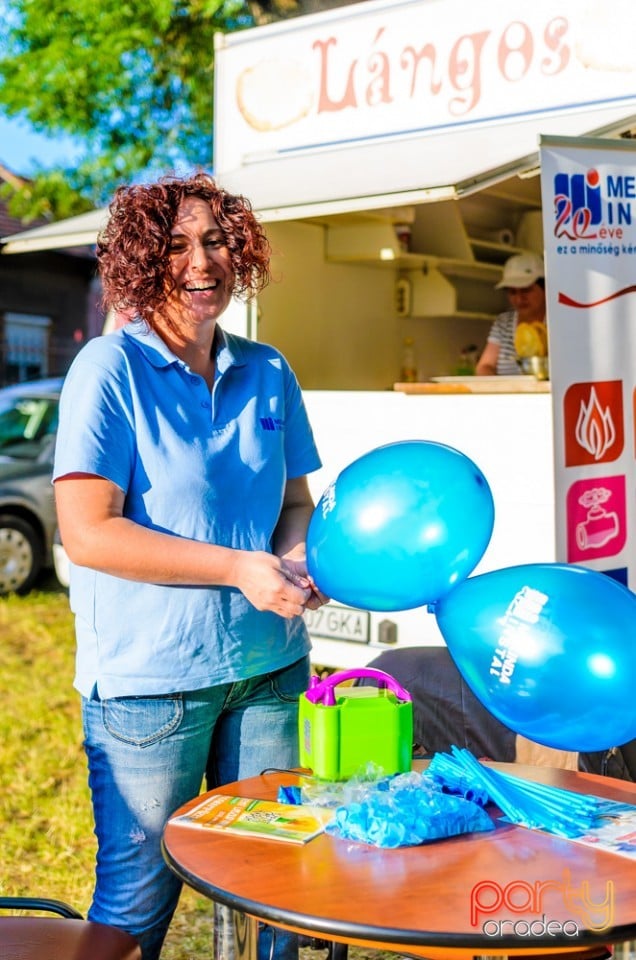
586 208
580 192
577 204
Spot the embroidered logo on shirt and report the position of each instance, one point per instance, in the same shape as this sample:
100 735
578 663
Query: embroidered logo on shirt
271 423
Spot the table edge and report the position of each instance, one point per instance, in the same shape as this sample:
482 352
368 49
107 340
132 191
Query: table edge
347 931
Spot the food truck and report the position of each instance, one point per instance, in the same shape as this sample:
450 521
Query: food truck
391 149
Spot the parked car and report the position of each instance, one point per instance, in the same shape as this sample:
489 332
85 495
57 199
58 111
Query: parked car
28 524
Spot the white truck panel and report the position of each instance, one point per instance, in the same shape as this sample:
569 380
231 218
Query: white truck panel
508 437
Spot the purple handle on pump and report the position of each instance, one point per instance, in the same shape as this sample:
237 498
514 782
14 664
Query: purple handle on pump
322 691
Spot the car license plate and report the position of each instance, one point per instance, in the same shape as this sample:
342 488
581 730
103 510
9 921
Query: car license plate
339 623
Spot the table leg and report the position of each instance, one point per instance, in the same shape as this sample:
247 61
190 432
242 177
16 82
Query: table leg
235 934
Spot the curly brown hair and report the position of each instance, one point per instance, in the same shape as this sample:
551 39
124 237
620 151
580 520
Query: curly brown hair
133 250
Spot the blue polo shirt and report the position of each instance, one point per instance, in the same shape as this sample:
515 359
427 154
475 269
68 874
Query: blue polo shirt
207 466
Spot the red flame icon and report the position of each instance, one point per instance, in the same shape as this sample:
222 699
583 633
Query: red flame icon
593 422
595 429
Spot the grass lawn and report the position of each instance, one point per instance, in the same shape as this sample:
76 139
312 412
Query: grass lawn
46 829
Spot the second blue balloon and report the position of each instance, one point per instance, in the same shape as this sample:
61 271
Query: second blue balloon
548 648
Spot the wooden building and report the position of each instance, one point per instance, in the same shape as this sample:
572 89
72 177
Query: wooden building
47 303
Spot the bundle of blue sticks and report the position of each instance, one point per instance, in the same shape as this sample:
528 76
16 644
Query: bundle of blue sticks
535 805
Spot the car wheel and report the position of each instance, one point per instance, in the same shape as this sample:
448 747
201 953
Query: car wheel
21 554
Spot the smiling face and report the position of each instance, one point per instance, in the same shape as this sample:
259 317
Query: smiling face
200 266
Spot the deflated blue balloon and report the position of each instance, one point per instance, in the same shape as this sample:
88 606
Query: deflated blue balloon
400 526
550 650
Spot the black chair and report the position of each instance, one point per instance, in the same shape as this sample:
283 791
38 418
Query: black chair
619 762
64 936
445 712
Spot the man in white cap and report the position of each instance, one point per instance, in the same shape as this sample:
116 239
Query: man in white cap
523 280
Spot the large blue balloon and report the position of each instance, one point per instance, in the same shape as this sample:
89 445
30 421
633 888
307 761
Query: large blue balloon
550 650
399 526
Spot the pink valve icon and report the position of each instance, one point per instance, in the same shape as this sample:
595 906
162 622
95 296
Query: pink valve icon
599 527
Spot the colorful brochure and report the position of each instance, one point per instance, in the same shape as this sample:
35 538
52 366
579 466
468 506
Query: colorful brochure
246 817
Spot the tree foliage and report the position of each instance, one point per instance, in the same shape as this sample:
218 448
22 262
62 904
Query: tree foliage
130 80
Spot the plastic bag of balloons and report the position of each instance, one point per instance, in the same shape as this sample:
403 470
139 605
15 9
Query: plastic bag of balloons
400 526
407 810
549 649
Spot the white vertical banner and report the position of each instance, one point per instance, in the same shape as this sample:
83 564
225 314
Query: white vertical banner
589 215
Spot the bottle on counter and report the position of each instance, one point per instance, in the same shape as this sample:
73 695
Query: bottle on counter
467 360
409 361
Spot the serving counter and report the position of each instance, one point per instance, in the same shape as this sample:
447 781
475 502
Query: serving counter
445 385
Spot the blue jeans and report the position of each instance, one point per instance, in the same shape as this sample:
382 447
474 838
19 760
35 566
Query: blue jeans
148 755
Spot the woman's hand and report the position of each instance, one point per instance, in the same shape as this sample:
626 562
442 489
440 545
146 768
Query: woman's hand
297 572
270 583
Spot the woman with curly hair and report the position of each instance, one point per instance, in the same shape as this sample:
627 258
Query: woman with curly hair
183 503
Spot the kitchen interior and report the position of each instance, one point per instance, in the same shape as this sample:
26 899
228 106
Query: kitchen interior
392 298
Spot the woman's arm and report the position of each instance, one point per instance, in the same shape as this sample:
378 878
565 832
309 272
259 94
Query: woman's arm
291 533
291 529
487 365
96 534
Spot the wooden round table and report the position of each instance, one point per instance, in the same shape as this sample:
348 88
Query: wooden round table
436 900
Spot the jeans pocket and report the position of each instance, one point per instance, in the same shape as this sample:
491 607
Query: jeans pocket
142 721
289 682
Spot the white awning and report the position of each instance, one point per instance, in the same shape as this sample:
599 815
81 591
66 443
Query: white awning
423 170
434 168
74 232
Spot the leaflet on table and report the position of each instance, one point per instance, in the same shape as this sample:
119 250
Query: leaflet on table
257 818
613 832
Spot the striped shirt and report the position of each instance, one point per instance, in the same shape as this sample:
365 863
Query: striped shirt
502 333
